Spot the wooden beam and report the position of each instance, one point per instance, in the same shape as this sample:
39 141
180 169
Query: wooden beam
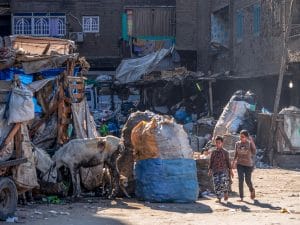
18 144
10 163
211 107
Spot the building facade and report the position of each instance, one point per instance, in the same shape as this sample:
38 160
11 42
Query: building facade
102 29
243 39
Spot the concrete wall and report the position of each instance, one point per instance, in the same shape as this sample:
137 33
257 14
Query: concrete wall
218 4
193 30
186 25
150 2
256 55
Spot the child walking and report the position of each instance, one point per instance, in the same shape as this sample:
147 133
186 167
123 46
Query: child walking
220 170
245 150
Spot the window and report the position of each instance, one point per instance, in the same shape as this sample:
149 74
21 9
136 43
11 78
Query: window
22 25
220 27
39 24
90 24
239 25
130 22
256 19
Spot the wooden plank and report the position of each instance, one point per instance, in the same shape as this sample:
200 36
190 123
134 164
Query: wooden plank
211 107
76 86
76 78
18 144
60 113
66 121
79 95
10 163
287 140
46 49
10 136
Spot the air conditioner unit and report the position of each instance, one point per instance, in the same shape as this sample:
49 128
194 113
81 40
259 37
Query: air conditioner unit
76 36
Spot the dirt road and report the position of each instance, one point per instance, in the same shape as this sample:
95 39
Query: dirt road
278 203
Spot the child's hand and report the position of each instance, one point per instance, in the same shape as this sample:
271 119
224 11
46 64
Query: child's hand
251 139
231 174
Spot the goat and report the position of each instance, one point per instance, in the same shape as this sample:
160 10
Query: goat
88 153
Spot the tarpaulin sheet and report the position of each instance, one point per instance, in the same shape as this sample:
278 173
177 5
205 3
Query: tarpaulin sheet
131 70
7 74
167 180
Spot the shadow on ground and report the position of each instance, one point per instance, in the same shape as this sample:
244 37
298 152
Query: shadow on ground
196 207
245 208
263 205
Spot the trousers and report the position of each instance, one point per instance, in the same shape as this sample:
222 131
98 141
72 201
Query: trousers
244 173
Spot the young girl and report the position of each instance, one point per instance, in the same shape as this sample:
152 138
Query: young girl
219 168
244 154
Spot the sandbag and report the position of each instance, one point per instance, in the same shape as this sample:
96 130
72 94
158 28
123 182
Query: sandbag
166 180
21 106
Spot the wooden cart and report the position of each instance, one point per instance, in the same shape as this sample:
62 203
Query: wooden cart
8 189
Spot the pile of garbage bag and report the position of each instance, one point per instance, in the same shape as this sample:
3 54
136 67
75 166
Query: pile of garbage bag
238 114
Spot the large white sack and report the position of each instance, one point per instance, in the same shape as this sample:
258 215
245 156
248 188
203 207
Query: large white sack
21 106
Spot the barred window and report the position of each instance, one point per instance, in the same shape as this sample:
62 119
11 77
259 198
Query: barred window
90 24
40 24
41 27
22 25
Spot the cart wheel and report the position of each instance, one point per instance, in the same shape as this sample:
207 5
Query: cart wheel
8 198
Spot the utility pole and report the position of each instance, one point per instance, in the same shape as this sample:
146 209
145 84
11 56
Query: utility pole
286 32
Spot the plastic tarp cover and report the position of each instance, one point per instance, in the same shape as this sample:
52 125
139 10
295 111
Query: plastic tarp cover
231 118
21 106
163 180
131 70
38 85
85 127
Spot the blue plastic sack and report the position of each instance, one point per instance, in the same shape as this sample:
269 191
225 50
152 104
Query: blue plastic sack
180 115
166 180
37 107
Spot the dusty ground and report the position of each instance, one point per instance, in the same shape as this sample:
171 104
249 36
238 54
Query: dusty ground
276 189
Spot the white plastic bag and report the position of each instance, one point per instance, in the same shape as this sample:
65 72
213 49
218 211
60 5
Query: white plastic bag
21 106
